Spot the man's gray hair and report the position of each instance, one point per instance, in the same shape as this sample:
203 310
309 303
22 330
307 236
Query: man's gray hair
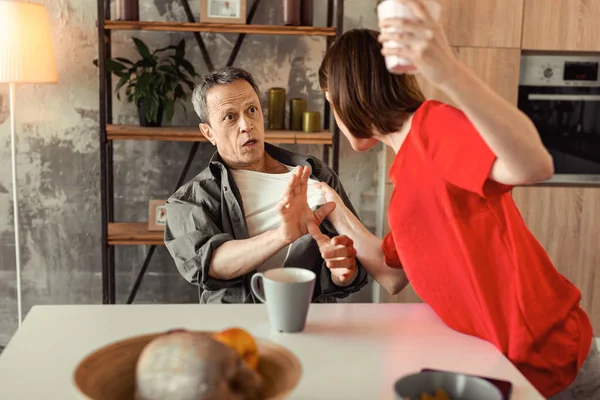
223 76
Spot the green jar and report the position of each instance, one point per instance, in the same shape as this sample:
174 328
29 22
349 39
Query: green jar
276 118
297 108
311 121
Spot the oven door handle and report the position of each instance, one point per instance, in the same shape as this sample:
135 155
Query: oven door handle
564 97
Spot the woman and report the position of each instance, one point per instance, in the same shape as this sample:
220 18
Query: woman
455 231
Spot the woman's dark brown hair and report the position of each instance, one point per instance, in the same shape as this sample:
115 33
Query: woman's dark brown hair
361 90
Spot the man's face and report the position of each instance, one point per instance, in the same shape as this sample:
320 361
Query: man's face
236 124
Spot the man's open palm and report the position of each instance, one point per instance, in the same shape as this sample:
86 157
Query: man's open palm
296 215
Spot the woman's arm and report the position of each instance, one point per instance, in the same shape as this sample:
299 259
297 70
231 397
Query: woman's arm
367 246
510 134
368 250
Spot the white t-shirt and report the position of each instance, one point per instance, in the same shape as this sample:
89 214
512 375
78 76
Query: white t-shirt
261 192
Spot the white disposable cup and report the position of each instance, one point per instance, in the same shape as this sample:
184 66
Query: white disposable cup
393 9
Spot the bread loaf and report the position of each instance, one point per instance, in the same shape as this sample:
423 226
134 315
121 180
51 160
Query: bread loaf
193 366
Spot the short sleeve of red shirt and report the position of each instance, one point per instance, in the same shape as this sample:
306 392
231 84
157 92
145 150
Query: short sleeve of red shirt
458 150
389 251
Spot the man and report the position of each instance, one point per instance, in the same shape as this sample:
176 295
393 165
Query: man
226 11
247 210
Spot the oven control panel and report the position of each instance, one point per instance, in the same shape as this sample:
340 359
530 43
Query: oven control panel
556 70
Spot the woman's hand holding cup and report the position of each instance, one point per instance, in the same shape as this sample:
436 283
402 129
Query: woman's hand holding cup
418 37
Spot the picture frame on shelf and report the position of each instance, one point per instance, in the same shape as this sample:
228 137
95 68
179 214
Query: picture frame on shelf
223 11
157 215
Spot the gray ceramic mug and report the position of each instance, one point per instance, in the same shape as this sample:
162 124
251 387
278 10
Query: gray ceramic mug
288 293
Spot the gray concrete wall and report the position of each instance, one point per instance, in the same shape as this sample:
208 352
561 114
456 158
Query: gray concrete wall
58 159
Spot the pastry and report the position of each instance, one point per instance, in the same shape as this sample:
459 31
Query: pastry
185 365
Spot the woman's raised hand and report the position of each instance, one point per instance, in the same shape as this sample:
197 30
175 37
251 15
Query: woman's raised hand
422 41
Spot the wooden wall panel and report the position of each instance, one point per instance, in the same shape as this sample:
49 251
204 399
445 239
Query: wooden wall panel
483 23
498 68
566 25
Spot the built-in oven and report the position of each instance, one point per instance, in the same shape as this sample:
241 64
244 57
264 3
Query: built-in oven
561 95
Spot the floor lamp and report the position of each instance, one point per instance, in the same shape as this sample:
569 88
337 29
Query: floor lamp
26 56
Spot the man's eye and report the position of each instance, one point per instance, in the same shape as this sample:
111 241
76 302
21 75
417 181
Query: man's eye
228 117
252 109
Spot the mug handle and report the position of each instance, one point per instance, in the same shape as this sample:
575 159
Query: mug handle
254 286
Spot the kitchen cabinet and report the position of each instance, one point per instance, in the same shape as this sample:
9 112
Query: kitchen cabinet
568 25
566 222
498 68
483 23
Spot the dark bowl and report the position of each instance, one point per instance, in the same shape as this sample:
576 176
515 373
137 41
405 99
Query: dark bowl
457 386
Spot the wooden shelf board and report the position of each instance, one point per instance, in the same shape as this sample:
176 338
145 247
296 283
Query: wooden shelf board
223 28
129 233
134 132
192 134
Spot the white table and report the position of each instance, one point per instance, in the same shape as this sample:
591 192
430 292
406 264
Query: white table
348 351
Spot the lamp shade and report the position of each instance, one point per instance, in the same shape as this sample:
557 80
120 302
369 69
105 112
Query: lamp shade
26 53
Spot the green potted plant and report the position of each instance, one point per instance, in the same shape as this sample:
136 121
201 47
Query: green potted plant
155 82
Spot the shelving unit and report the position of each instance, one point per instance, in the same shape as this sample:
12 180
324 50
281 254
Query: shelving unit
136 233
192 134
222 28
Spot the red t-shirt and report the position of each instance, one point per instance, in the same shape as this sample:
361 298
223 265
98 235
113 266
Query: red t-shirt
468 253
